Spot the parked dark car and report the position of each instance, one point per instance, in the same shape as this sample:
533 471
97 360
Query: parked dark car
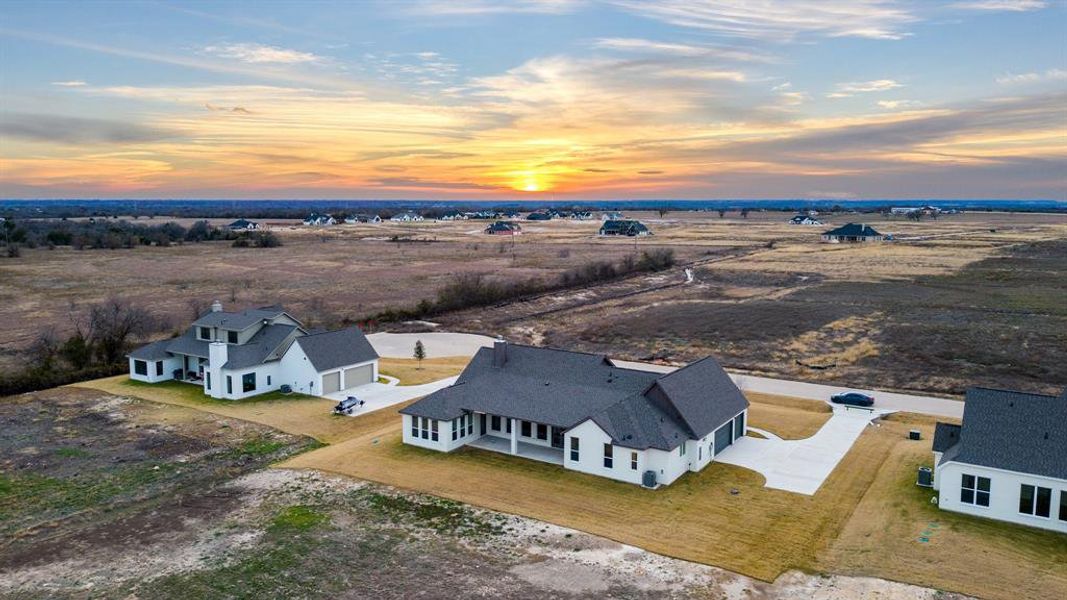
347 406
853 398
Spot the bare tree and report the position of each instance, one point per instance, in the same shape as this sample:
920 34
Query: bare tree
44 349
196 307
112 324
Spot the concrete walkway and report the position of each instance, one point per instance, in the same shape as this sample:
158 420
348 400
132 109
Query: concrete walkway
437 345
377 396
800 466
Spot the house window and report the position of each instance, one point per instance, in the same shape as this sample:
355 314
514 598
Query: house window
231 337
268 380
681 449
1063 505
248 382
526 429
633 461
455 429
542 432
159 367
1035 500
229 384
975 490
425 433
205 333
608 462
207 380
495 422
507 424
574 449
140 367
415 428
433 430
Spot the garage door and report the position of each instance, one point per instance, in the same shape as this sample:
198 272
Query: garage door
723 437
359 375
331 382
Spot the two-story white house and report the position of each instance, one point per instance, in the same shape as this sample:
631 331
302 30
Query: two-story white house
234 355
1008 461
582 412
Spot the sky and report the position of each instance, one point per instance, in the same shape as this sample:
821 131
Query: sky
534 99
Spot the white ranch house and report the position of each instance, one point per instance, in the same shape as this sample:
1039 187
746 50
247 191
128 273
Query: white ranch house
1008 461
235 355
582 412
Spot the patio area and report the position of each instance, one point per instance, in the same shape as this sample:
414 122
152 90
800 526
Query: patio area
532 451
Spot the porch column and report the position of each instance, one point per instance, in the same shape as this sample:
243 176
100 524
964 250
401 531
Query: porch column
514 436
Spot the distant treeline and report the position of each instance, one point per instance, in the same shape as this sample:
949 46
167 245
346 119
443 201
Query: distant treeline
472 290
115 234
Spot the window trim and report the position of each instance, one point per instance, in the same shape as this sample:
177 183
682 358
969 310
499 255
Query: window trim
200 333
975 490
633 460
159 368
229 384
542 431
140 367
494 422
609 456
1063 504
575 448
231 337
1035 495
244 382
525 429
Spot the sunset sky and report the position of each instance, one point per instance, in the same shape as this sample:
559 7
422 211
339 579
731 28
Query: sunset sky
534 99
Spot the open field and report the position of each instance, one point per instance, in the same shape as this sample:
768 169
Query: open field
766 294
411 372
788 418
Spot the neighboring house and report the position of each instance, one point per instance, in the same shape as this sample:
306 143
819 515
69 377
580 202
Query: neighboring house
539 216
243 225
454 215
504 228
580 411
318 220
624 227
484 214
853 232
804 220
581 215
1008 461
234 355
612 216
508 215
363 218
406 217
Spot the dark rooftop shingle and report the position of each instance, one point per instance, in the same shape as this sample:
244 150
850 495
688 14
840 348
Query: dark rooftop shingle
335 349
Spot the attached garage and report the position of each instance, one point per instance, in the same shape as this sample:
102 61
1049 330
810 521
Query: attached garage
360 375
331 382
724 437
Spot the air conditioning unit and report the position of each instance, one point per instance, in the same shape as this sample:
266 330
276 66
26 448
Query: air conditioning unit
926 477
649 479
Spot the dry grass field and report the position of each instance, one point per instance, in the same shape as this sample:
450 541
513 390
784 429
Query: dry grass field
411 372
788 418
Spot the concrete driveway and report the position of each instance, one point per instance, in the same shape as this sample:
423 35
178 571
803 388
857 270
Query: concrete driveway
437 345
377 396
801 466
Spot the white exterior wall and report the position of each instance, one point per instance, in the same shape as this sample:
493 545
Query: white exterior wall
591 440
444 436
667 465
1004 488
296 371
169 365
261 371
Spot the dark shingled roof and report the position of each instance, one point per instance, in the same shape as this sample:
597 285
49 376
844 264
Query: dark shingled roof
337 348
187 343
1014 431
854 230
153 351
564 389
946 435
269 343
238 321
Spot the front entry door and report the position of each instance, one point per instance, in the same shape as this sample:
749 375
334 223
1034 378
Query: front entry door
557 438
483 423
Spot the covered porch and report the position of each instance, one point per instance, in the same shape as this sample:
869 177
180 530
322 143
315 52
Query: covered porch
525 450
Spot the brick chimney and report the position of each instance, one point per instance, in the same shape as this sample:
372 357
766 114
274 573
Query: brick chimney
500 353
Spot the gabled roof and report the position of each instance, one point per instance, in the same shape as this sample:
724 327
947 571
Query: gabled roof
334 349
238 321
241 223
268 344
187 343
564 389
854 230
1014 431
946 435
153 351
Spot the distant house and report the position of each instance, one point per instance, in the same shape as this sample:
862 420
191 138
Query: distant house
583 413
243 225
406 217
853 232
581 215
484 215
235 355
319 220
804 220
612 216
504 228
624 227
363 218
539 216
509 215
453 215
1007 461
